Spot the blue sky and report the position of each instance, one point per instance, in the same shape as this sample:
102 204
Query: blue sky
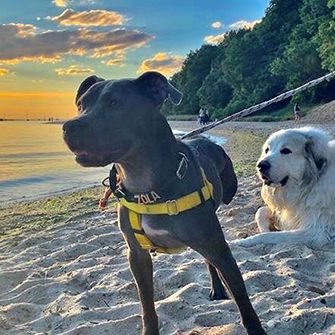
51 46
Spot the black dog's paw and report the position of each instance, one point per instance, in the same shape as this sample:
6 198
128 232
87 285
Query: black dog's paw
218 294
260 331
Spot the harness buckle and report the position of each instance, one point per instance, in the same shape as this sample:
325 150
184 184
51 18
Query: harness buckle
119 194
172 207
182 167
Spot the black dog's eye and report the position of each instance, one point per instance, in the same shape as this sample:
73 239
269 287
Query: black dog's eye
267 150
80 107
285 151
114 103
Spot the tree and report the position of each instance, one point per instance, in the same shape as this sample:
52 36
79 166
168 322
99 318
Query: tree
294 43
195 69
300 61
326 38
215 92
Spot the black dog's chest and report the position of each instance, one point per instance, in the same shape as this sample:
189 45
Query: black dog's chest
161 229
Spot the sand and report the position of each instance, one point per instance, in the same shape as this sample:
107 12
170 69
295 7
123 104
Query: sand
70 276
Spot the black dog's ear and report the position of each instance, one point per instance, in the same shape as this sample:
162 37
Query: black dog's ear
85 85
158 88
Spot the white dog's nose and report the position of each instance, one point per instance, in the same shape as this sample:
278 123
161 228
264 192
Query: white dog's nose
263 166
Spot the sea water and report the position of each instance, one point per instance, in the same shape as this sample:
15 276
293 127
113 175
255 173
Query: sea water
35 162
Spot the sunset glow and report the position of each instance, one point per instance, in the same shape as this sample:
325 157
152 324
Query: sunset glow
48 47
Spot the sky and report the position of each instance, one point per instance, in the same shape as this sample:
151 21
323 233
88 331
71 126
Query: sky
47 47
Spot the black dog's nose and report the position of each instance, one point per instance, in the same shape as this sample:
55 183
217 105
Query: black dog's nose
73 126
263 166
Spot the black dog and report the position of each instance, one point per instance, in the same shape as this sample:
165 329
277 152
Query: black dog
160 177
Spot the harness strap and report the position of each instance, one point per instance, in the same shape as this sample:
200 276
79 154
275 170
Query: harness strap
170 207
173 207
143 240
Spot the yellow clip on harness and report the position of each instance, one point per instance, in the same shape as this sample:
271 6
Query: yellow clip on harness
170 207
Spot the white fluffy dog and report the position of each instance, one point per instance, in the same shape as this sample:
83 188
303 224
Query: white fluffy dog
297 167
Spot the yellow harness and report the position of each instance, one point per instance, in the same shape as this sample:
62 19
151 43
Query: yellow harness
170 207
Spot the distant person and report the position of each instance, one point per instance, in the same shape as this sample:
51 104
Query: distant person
206 116
296 110
201 116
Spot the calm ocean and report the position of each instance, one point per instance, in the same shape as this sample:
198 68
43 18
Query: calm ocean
34 162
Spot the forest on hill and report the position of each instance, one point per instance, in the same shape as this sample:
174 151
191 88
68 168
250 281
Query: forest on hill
293 44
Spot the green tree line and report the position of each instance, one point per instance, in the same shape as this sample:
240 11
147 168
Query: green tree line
293 43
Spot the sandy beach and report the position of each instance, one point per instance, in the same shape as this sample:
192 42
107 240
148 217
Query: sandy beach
64 268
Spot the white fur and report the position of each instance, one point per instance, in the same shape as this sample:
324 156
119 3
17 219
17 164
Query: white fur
304 209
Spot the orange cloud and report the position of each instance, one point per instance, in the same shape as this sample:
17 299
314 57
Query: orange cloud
4 72
243 24
114 62
60 3
89 18
162 62
40 59
65 3
73 70
214 39
21 43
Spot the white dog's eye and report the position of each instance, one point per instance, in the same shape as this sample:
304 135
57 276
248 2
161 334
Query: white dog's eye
285 151
267 150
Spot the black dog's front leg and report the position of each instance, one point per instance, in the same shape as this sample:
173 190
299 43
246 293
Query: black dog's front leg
141 267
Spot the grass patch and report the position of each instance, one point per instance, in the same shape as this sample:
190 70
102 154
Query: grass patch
41 214
244 148
245 169
182 117
282 114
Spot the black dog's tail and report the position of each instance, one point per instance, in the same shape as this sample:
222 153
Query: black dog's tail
228 179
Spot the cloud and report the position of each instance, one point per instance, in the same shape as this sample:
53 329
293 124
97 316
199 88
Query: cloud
243 24
73 70
89 18
162 62
214 39
4 72
118 60
21 42
114 62
60 3
66 3
217 25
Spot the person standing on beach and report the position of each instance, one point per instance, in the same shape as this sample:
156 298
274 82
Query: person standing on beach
296 110
207 115
201 116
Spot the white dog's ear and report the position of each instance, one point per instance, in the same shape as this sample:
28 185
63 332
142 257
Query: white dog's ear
318 160
316 146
